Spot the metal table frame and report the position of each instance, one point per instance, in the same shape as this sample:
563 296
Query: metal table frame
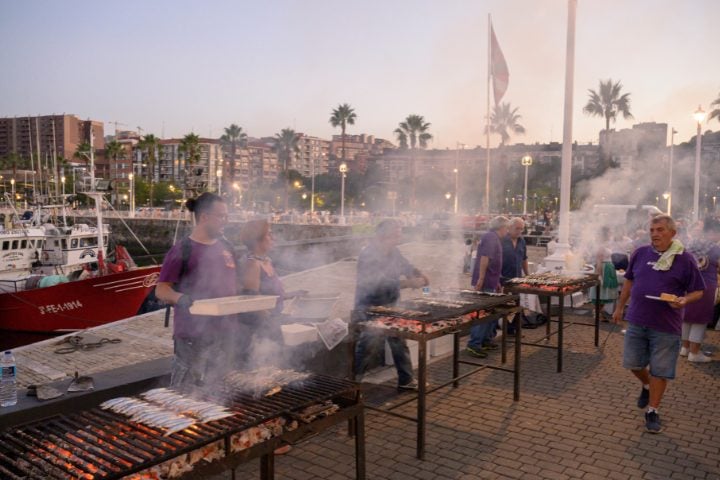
354 414
422 338
548 294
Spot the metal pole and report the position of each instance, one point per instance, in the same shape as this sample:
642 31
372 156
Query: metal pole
312 187
456 191
670 177
342 196
696 188
525 194
565 172
131 177
487 124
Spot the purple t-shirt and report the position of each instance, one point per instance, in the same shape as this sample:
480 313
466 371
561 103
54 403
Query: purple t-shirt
210 273
491 247
682 278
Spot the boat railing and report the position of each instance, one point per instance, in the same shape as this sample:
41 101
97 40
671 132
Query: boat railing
12 286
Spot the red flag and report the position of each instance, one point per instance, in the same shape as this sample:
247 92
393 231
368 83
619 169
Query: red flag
498 68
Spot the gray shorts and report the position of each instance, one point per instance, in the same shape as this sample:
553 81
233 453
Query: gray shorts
647 347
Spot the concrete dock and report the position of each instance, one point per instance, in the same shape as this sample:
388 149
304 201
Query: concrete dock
579 424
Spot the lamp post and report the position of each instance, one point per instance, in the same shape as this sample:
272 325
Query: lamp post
699 117
312 186
131 177
670 177
455 207
12 186
343 170
667 197
526 162
219 174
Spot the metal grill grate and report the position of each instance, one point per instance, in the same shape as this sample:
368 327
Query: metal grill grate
94 444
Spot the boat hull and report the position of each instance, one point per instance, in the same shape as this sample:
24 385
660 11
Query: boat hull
77 305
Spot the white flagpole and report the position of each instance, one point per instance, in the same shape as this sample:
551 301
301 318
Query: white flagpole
561 257
564 233
487 123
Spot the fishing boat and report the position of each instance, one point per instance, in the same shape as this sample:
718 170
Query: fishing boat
56 279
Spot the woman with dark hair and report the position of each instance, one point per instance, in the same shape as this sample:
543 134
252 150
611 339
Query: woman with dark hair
698 315
257 275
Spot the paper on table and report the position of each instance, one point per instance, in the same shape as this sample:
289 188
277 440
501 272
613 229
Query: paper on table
332 331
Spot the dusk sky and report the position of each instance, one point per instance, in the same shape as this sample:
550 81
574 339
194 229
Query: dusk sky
172 67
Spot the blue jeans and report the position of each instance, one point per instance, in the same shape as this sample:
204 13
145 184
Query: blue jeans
484 333
369 345
645 346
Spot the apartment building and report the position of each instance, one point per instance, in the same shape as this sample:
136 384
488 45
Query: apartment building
629 145
312 155
172 165
358 149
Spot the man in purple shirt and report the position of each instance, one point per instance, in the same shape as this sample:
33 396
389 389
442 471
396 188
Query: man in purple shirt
208 272
486 278
652 340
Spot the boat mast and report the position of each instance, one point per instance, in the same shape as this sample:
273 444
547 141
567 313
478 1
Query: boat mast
98 199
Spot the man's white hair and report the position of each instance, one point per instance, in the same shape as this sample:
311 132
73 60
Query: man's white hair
517 221
498 222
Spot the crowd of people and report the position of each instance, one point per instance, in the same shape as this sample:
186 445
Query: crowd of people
656 260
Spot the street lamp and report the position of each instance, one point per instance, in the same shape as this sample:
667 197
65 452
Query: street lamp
12 185
455 207
526 162
131 177
670 177
219 174
699 117
667 196
343 170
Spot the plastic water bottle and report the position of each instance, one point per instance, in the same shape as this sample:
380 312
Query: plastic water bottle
8 382
426 291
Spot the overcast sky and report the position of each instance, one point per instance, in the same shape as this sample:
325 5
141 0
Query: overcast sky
172 66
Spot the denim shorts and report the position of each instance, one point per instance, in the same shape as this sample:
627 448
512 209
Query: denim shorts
645 346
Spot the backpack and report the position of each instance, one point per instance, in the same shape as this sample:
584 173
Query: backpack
185 251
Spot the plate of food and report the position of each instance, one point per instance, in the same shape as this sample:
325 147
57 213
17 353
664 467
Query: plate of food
664 297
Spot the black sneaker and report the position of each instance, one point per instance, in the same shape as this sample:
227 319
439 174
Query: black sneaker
652 422
411 385
476 352
644 398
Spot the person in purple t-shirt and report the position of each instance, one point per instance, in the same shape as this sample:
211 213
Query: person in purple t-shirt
486 278
652 340
706 250
210 272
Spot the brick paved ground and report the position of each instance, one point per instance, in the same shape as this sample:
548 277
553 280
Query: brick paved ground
581 423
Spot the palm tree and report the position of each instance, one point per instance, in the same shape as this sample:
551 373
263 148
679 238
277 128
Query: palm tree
190 148
343 116
414 129
504 120
115 150
715 113
234 137
608 102
150 144
286 144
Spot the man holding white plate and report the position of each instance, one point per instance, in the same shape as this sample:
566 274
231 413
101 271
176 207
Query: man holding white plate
661 279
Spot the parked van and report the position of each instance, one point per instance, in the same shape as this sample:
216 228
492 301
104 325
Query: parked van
617 214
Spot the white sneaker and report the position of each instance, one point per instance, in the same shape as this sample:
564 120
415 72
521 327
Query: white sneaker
683 352
699 358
